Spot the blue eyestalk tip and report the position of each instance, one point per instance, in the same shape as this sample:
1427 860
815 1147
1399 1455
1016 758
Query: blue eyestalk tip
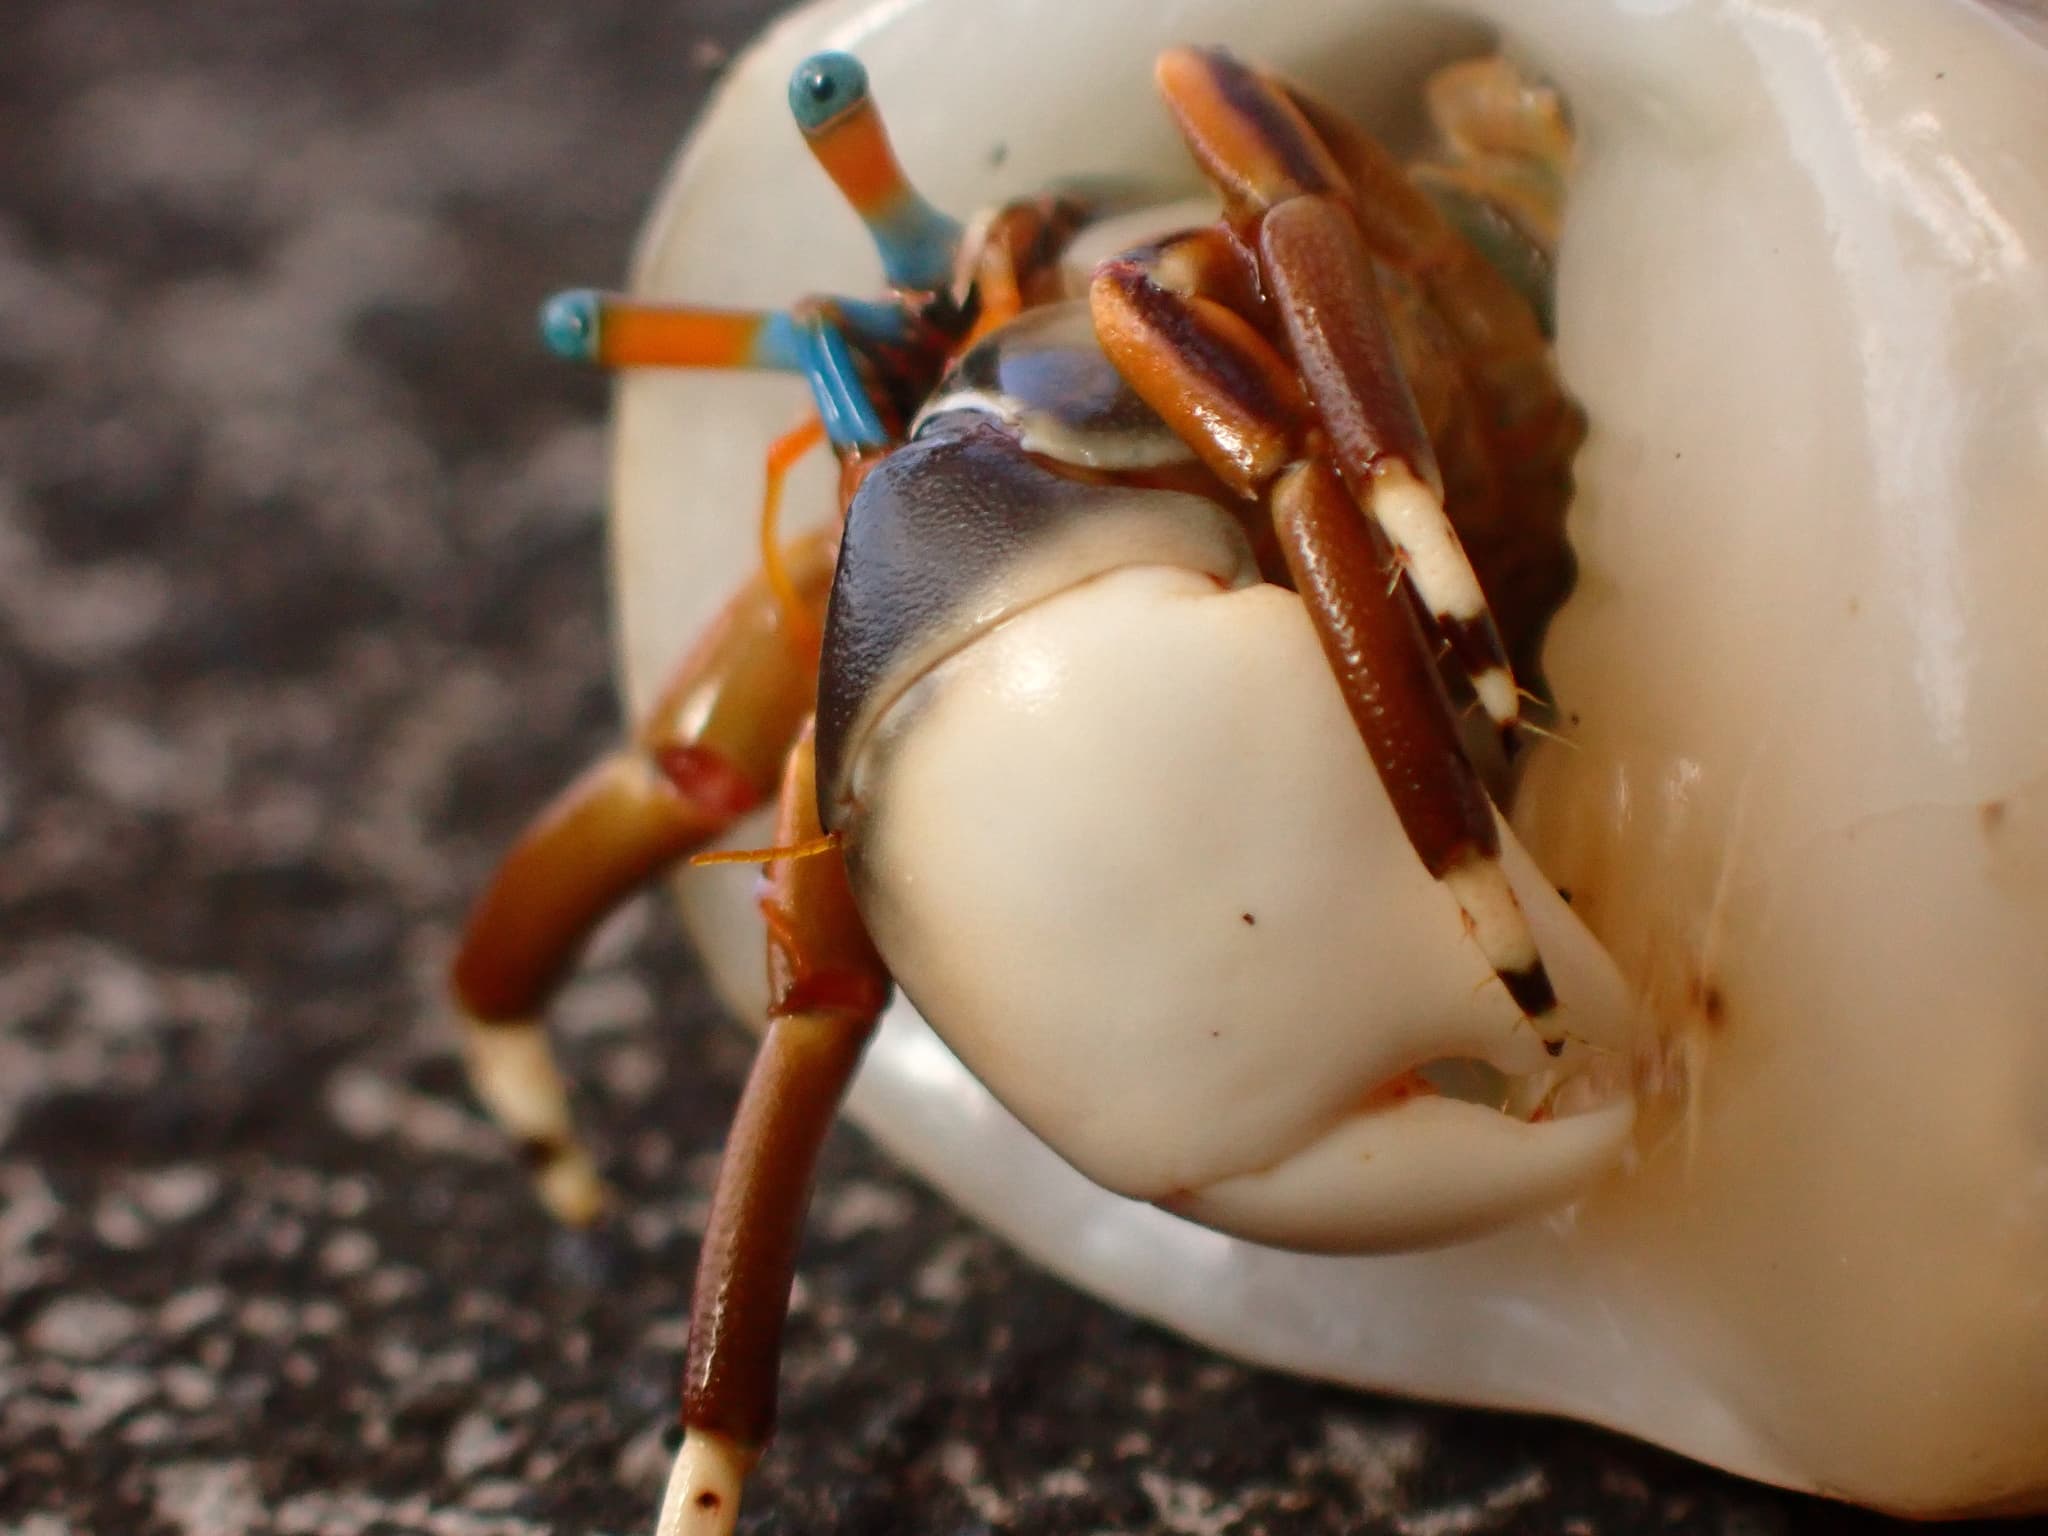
568 325
825 85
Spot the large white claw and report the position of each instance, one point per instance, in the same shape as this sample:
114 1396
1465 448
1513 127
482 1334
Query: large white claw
1426 1172
1129 855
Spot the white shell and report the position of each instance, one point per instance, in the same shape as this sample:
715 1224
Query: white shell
1803 298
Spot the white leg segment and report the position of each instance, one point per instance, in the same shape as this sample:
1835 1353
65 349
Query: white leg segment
1499 927
515 1076
1413 519
703 1497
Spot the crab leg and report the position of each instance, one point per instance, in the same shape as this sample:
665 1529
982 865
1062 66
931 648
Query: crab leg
1191 356
1407 231
1271 165
1017 258
1501 340
827 987
1210 374
1235 399
1330 309
706 754
1470 264
1339 563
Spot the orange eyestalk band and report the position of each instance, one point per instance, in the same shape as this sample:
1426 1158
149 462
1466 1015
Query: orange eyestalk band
828 95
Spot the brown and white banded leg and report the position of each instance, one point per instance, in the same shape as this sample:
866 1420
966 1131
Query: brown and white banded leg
1234 397
827 987
709 752
1239 402
1288 198
1485 280
1396 698
1499 334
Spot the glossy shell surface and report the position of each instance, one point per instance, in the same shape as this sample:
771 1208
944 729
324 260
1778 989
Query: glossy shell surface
1803 294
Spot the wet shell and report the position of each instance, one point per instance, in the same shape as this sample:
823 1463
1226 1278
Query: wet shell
1803 294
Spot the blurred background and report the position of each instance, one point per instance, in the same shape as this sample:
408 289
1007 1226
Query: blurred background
302 612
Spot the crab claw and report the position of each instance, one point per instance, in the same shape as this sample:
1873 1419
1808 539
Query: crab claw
1213 975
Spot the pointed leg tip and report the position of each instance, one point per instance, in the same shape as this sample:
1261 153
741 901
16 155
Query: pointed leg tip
703 1496
1499 697
571 1189
512 1069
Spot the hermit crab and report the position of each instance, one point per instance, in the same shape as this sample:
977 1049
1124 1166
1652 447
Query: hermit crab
1710 1100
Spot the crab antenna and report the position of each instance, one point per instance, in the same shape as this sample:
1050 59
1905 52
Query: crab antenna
828 95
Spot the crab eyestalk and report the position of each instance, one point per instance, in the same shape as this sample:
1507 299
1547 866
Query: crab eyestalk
817 343
611 330
828 96
830 342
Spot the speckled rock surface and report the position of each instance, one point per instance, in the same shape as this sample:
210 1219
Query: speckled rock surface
301 611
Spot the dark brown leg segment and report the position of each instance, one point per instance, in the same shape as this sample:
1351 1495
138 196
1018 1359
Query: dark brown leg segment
708 753
1340 565
1234 396
1517 427
1406 230
1336 324
827 987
